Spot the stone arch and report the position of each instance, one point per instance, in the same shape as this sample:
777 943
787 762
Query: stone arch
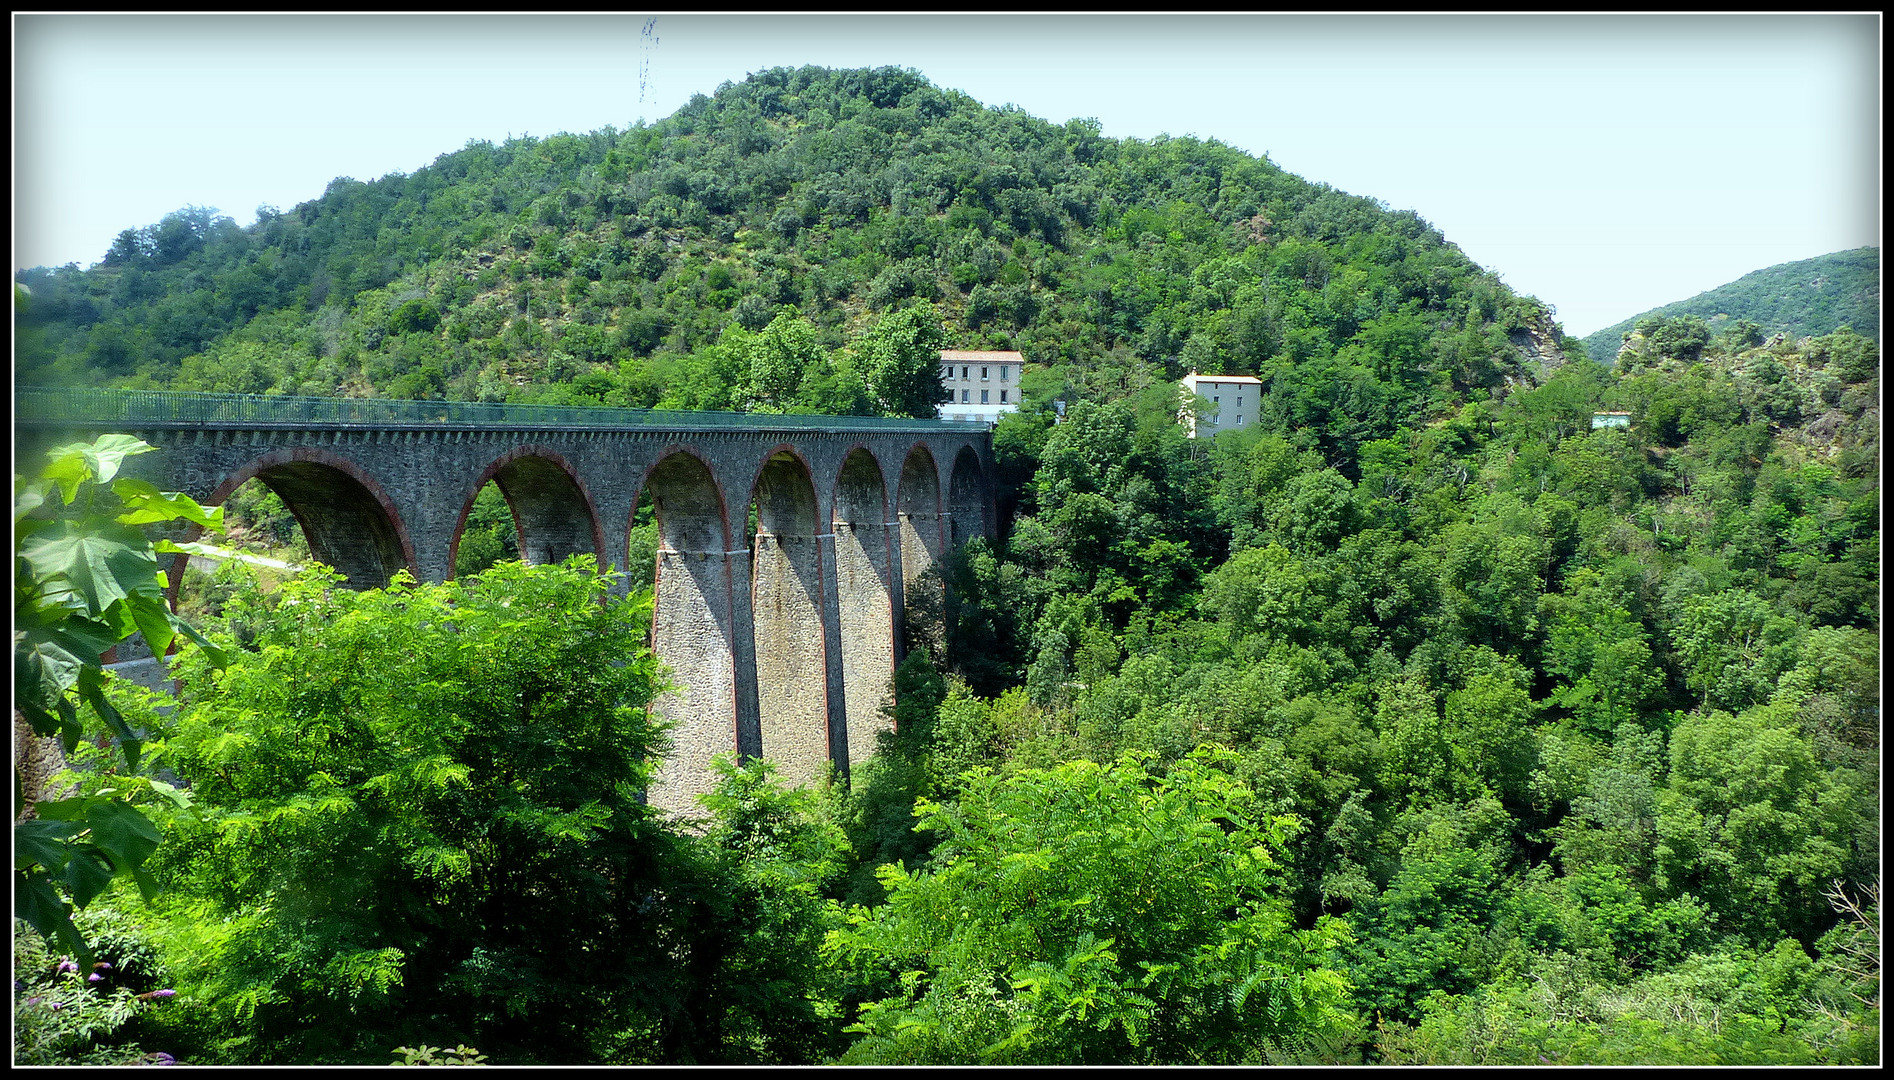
693 626
967 498
553 513
786 618
346 517
865 603
921 540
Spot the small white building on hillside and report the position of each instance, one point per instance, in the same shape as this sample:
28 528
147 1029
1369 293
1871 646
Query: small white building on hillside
984 384
1234 401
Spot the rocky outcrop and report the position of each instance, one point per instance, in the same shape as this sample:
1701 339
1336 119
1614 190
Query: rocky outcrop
1538 345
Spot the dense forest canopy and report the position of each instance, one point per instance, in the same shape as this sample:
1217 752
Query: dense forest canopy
1800 299
1422 722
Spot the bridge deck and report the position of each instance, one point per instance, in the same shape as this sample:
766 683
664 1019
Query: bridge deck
57 406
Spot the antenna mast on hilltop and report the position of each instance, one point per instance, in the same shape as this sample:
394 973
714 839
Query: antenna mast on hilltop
647 41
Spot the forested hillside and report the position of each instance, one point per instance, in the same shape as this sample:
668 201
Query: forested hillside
1420 723
620 267
1800 299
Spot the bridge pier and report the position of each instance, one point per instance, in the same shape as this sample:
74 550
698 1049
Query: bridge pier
694 632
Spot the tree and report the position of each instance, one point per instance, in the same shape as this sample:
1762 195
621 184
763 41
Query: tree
900 358
86 578
1425 932
414 317
779 356
419 819
758 992
1734 646
1681 336
1600 652
128 248
1753 825
1092 914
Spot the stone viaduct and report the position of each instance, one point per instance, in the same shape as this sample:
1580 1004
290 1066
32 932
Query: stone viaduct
792 548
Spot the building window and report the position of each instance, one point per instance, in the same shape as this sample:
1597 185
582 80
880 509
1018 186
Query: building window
947 372
983 394
1239 419
1002 393
1004 371
1239 403
963 372
1216 399
966 395
983 375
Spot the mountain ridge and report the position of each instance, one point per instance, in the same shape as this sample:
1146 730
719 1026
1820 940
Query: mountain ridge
1805 298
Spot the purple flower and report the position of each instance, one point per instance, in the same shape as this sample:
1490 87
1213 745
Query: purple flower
101 966
67 965
95 977
56 1006
156 994
162 1058
34 1000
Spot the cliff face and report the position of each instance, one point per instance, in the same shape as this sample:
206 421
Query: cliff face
1538 345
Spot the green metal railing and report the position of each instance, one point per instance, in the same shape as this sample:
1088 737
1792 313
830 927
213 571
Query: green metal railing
38 404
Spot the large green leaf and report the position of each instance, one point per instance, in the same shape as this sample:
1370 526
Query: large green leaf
73 809
92 692
36 901
154 619
27 497
68 472
99 565
83 638
145 504
87 874
69 730
216 656
42 843
147 885
177 797
98 460
126 836
118 619
42 668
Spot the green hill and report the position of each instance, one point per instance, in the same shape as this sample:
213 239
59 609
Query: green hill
626 268
1801 299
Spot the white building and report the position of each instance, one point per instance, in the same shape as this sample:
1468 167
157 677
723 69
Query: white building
984 385
1234 401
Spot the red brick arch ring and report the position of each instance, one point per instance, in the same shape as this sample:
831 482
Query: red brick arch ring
841 470
769 455
710 483
277 459
501 464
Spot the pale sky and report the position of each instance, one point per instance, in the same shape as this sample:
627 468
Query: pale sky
1605 164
